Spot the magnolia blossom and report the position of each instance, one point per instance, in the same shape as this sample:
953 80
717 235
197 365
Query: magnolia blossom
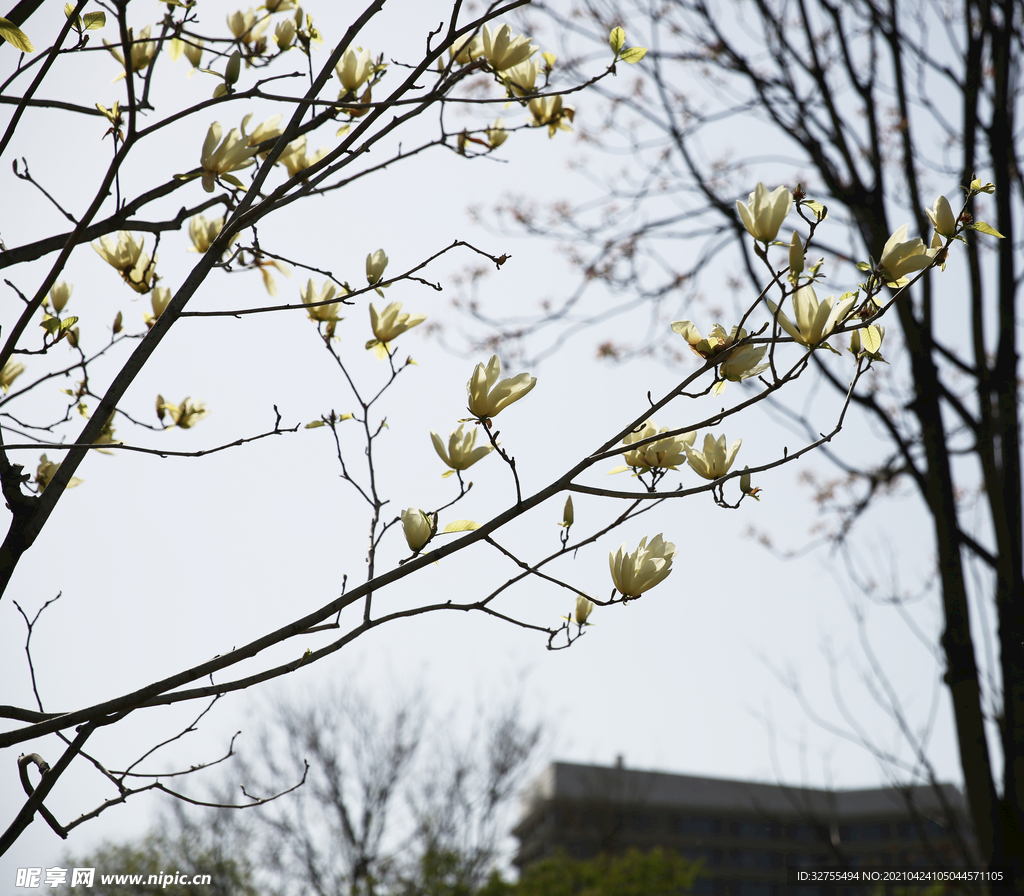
735 362
390 324
284 34
185 415
193 50
467 48
814 319
584 607
160 298
375 264
764 212
666 454
548 110
635 573
503 51
715 460
462 452
142 52
796 257
522 78
354 68
487 396
496 134
268 130
203 232
59 295
232 154
942 217
11 371
901 256
46 470
310 296
295 158
127 257
417 527
245 27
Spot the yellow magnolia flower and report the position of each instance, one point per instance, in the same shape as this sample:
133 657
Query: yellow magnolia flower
496 134
126 255
503 51
11 371
548 110
641 570
311 296
735 363
185 415
220 157
901 256
247 26
665 454
796 257
295 158
160 299
520 79
584 607
375 264
191 48
268 130
46 470
764 212
284 34
418 528
388 325
462 452
942 217
59 295
714 461
467 48
814 319
487 396
355 68
203 232
142 53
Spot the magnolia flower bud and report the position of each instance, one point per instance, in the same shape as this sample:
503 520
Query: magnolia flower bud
584 607
233 68
375 264
764 212
942 218
417 527
59 296
796 256
567 515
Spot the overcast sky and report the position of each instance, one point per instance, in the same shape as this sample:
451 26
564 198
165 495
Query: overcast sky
164 563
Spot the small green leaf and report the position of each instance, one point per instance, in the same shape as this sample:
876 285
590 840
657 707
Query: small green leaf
871 339
69 9
15 36
982 227
461 526
51 325
231 179
863 266
820 212
617 40
68 323
314 424
95 20
633 55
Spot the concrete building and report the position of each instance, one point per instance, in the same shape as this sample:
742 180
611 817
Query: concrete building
744 834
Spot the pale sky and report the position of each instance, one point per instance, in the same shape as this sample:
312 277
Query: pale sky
165 563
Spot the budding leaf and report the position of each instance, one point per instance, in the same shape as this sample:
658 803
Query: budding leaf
15 36
871 339
982 227
95 20
617 40
633 55
314 424
461 526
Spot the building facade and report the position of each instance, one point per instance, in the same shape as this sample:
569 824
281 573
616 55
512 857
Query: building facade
744 834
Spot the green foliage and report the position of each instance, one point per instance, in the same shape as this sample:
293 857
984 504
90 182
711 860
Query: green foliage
157 854
655 873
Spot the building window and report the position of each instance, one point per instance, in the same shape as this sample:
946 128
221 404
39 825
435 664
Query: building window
759 829
859 833
800 832
749 858
693 826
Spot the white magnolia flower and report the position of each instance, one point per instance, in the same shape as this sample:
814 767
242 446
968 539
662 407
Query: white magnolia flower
310 296
901 256
220 157
417 527
503 50
355 68
389 324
